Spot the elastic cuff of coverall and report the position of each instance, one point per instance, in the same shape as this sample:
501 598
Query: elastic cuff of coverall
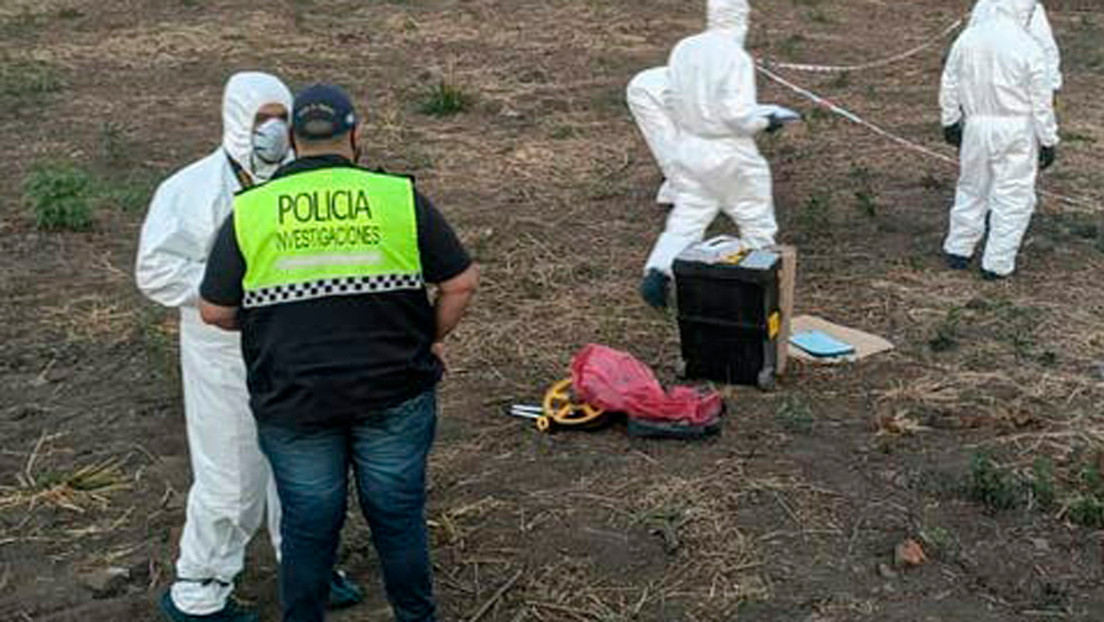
200 598
1002 273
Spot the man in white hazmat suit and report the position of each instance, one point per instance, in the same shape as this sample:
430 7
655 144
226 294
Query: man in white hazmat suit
997 106
714 165
646 97
232 482
1038 26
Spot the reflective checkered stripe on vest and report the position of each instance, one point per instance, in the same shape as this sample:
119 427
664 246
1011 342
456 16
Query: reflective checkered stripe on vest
329 232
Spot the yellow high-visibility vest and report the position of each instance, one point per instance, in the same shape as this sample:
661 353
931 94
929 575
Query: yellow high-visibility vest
327 232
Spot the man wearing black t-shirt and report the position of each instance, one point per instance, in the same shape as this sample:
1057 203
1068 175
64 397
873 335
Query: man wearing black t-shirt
323 269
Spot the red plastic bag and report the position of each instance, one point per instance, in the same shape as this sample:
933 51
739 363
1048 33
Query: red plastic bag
617 382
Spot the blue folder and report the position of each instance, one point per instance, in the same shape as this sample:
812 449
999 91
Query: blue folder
821 344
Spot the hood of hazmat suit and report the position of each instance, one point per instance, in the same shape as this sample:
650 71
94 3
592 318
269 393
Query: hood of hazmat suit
1033 16
729 17
646 97
245 94
995 82
231 480
715 165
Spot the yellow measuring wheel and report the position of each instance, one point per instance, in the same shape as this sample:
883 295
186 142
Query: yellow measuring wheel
544 423
561 409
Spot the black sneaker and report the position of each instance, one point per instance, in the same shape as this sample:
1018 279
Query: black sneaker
232 612
993 276
956 262
344 592
653 289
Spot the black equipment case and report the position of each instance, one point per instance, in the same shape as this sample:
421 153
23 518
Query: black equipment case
729 318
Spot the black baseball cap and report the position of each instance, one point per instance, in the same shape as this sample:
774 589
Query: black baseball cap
322 111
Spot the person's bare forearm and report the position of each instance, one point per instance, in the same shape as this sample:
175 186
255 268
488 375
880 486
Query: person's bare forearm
453 297
225 318
450 308
230 325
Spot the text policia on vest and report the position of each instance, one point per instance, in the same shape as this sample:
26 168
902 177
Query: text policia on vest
314 207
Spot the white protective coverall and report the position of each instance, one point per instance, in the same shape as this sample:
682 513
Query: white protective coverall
996 83
1038 25
646 97
232 481
715 165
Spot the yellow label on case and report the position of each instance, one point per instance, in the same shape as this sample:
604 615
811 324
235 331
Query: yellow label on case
774 324
734 259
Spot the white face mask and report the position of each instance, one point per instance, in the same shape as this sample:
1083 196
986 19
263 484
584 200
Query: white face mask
270 141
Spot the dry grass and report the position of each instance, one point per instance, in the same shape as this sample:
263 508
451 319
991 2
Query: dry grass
92 318
77 490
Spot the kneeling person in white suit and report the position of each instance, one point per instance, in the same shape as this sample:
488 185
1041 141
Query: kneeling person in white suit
714 165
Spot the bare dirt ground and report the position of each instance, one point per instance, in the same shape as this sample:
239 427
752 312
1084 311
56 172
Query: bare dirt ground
980 436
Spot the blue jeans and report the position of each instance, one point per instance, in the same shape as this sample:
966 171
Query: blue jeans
388 451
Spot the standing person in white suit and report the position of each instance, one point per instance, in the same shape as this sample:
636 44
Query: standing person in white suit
232 483
714 165
997 107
